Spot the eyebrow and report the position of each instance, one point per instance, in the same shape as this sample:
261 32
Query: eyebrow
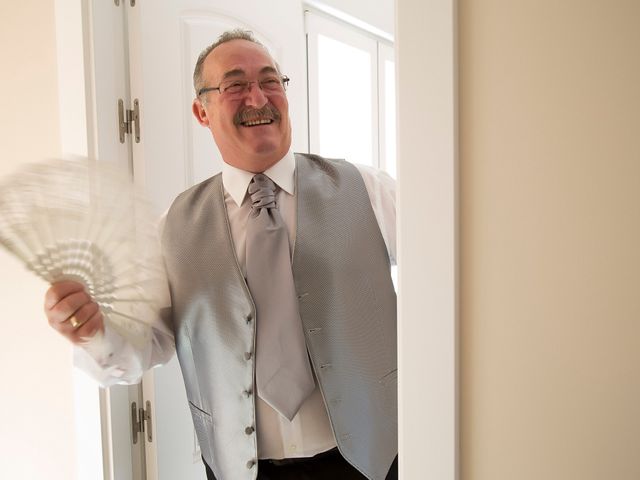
238 72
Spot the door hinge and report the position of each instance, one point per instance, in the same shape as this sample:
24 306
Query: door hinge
141 421
129 120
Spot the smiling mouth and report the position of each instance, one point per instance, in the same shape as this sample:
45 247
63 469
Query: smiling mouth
253 123
255 117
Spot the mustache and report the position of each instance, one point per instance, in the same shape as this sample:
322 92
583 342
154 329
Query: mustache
249 114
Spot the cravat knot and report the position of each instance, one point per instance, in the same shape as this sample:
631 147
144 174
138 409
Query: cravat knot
263 192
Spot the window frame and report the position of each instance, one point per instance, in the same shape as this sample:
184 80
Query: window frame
319 23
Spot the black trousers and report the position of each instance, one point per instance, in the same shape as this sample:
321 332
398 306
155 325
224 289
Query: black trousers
328 465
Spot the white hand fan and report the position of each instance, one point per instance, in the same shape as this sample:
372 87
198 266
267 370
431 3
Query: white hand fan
85 221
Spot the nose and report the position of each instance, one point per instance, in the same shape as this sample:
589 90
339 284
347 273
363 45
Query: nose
255 97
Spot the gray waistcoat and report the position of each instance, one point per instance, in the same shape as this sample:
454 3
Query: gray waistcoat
347 306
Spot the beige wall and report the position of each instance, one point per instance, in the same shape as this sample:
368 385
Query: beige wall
36 414
550 239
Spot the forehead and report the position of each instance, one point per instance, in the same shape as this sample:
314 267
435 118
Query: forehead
237 56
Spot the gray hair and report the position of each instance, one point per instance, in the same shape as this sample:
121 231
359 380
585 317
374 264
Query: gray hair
235 34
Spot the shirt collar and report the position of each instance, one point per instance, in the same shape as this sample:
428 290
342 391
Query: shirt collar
236 181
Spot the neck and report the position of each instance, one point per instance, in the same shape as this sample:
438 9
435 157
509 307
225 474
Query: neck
254 164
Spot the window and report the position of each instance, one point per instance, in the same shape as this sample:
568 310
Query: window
351 93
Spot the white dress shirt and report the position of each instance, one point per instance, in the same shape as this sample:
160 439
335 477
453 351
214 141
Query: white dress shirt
309 432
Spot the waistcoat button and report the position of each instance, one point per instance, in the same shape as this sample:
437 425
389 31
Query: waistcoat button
249 430
247 355
251 463
248 392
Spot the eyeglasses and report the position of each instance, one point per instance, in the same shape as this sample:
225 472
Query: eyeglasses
237 88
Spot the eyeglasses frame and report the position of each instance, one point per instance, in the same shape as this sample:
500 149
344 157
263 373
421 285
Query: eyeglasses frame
283 78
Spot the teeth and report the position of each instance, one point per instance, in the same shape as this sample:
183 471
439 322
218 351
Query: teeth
251 123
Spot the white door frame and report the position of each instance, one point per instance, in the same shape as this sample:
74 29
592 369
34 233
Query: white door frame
427 232
426 69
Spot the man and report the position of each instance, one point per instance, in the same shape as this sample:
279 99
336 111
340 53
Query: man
289 364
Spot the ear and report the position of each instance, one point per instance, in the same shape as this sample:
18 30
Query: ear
199 112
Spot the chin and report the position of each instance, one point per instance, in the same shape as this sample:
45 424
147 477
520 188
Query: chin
265 148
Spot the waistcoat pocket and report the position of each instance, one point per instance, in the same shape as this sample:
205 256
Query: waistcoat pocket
203 424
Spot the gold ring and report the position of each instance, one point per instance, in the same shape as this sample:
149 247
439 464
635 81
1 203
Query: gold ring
74 321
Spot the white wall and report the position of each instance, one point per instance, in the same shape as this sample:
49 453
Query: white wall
36 393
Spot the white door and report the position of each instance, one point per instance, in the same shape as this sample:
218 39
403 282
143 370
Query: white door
165 38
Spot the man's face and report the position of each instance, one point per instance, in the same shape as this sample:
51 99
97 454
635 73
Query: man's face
243 142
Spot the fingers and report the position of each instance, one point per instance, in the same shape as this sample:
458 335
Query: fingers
72 312
68 306
86 330
60 290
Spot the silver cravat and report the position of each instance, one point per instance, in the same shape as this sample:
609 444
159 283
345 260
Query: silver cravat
283 373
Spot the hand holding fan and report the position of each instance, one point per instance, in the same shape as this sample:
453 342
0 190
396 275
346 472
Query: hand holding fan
85 221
